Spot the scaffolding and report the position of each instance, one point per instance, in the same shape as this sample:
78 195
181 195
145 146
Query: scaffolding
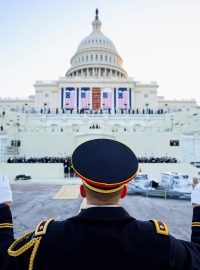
3 147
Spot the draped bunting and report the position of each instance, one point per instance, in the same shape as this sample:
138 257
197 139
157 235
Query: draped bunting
85 98
70 98
122 98
107 98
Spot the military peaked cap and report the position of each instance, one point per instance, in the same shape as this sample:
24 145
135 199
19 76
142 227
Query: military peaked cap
104 165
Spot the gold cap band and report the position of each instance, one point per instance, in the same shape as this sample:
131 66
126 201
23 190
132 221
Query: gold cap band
101 190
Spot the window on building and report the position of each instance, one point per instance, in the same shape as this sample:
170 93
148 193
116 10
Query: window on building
106 58
96 57
146 95
174 142
91 57
101 57
86 57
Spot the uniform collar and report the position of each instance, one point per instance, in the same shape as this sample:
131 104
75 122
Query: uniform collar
104 214
104 205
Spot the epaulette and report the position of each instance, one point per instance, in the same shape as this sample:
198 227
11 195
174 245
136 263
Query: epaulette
31 239
195 224
41 228
161 227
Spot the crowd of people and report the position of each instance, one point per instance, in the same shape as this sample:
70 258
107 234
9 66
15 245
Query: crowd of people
102 111
67 164
67 160
36 159
153 159
95 126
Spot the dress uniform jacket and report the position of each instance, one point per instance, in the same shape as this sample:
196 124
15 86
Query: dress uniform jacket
100 238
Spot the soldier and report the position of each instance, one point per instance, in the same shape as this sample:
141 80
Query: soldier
104 235
66 166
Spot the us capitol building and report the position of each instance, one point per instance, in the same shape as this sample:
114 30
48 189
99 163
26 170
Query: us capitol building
96 81
97 99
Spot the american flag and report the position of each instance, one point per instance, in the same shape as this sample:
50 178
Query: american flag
107 98
85 99
122 99
70 99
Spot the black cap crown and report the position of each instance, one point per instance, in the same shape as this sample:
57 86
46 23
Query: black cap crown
105 164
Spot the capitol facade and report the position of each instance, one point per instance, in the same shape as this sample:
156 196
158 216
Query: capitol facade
97 99
97 81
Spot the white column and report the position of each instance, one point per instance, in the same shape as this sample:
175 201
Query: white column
79 103
133 98
117 92
127 101
113 97
90 97
101 98
75 99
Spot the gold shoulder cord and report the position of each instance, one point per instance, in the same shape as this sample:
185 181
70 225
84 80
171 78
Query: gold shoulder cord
35 242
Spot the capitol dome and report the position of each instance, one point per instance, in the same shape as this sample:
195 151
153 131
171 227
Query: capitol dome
96 56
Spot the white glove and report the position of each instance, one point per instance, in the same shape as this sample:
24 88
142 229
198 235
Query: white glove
195 195
5 190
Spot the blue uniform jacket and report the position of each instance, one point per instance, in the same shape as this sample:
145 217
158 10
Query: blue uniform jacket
102 238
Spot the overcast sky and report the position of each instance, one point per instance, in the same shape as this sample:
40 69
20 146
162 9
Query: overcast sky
158 40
